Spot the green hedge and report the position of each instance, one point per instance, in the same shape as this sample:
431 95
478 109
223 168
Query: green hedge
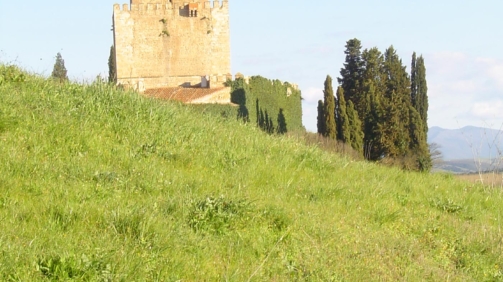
274 106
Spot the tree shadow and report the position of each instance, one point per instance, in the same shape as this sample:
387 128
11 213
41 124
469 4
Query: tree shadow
281 128
238 96
264 121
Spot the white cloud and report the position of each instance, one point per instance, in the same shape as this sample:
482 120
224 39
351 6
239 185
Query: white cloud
496 73
464 90
311 95
488 110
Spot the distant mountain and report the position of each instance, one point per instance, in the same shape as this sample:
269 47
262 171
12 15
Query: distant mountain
470 166
467 143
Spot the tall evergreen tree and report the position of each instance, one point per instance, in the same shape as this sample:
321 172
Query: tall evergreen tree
373 148
373 76
419 114
59 71
422 93
385 106
397 100
112 76
419 149
413 81
329 109
321 118
351 73
355 128
373 86
343 126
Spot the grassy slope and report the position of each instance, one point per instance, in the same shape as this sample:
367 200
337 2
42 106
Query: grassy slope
102 185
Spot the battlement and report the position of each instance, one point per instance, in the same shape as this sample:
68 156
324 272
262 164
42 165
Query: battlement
171 43
160 8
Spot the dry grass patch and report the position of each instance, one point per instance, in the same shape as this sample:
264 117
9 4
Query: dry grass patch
493 179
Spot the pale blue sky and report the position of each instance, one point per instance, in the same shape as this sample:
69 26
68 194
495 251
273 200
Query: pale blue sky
300 42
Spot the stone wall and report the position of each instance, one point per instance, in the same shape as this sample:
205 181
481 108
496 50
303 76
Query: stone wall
160 43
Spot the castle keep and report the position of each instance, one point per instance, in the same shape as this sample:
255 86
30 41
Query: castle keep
172 43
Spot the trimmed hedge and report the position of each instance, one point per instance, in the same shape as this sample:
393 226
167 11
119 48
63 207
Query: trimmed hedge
274 106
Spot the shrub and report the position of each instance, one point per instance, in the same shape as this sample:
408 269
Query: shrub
217 215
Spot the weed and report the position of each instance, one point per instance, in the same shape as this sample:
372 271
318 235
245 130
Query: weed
217 215
132 225
446 205
57 268
61 218
11 74
105 177
6 123
403 200
276 218
382 216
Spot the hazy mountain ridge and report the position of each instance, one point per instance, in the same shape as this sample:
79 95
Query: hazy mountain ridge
468 166
469 142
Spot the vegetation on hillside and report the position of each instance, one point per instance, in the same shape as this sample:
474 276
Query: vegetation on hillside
103 185
59 71
112 66
381 111
273 106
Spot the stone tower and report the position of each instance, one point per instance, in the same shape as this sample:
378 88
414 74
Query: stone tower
170 43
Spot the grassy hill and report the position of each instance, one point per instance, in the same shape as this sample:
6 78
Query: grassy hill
102 185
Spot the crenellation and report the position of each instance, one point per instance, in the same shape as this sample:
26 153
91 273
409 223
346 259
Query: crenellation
163 44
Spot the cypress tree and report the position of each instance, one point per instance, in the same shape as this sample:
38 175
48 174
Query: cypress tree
329 109
112 76
355 128
422 93
419 114
343 126
373 86
321 118
373 74
351 73
373 148
59 71
413 82
397 102
419 149
385 106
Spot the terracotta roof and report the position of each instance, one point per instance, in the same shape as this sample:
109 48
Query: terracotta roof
182 94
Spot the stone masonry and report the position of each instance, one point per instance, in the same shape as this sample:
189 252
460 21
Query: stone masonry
172 43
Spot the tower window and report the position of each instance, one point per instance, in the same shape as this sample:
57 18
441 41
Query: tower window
193 9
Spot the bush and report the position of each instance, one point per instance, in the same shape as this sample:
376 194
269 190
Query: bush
217 215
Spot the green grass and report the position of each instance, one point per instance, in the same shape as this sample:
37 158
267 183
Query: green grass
102 185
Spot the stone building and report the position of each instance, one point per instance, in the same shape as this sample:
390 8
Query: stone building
165 46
